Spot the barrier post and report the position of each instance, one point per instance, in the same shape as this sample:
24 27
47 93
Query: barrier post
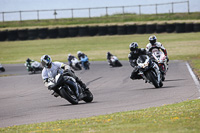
38 15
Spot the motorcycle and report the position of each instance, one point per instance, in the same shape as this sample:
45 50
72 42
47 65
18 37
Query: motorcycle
67 88
149 71
114 62
85 62
2 68
33 67
75 64
161 60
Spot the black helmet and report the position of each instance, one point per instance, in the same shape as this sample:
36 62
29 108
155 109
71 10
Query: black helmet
28 60
133 46
152 39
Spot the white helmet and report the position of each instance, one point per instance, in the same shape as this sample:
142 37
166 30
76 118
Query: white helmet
152 39
79 52
46 61
69 55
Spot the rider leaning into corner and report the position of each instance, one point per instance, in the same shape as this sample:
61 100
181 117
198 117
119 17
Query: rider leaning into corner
70 57
154 45
51 69
109 55
132 56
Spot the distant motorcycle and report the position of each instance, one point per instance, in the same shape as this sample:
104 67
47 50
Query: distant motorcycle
67 87
75 64
161 59
149 71
33 67
114 62
2 68
85 62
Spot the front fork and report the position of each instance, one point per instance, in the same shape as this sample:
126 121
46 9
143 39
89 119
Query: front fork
156 68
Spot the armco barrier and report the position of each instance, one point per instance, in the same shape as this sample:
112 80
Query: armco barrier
22 34
53 32
43 33
12 34
3 35
150 28
61 32
32 34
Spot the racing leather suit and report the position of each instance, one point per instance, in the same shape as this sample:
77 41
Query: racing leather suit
53 71
132 56
155 47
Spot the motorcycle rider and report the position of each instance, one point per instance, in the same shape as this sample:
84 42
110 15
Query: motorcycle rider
28 63
82 57
51 69
109 55
132 56
70 57
154 45
80 54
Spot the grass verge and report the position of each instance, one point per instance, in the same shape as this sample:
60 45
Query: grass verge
116 18
181 117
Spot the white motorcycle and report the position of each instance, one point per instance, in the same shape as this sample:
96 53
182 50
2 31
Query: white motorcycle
75 64
114 62
2 68
149 71
161 60
33 67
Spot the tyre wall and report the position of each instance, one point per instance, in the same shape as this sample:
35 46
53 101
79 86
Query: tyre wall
63 32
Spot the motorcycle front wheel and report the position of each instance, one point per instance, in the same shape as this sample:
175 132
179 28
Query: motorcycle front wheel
151 76
89 96
69 97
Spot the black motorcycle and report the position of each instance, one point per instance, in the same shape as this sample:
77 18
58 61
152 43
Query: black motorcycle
2 68
149 71
67 87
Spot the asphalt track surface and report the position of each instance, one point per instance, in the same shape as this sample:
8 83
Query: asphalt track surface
24 99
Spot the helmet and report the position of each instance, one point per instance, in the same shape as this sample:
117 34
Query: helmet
152 39
133 46
109 54
28 60
79 52
69 55
46 61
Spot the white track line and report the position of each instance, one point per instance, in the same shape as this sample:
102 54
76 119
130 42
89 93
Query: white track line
196 81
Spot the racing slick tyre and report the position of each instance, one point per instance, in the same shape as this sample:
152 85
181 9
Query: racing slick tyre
89 96
151 76
69 97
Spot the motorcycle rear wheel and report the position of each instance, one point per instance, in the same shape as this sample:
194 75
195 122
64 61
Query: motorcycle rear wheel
89 96
66 95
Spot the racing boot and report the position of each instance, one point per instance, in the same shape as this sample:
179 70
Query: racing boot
81 83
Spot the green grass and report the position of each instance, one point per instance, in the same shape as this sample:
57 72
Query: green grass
182 117
184 46
117 18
